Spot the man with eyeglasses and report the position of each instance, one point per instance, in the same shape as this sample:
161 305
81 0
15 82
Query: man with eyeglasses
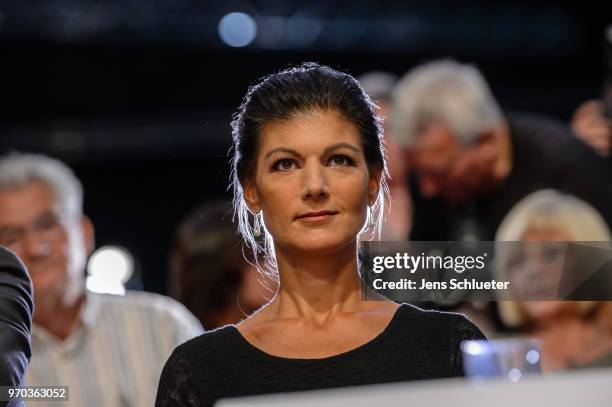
108 349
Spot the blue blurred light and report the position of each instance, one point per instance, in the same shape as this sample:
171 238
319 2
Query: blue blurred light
473 347
515 374
301 32
533 356
237 29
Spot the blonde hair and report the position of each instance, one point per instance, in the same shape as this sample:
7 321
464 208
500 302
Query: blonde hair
547 209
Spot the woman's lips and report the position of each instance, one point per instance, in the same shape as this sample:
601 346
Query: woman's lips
316 217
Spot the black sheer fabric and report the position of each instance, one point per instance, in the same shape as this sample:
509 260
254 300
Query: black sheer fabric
416 345
176 384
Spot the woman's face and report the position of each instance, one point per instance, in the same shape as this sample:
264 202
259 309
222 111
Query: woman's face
312 183
538 272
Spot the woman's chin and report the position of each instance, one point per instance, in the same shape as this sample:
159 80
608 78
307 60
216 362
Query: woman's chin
543 310
320 245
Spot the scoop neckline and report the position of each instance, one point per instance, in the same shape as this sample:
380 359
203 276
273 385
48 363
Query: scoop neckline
251 349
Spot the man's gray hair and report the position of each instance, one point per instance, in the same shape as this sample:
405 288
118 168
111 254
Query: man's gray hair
18 169
446 92
378 84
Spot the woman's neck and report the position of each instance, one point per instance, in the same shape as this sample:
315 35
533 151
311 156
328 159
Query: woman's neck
317 288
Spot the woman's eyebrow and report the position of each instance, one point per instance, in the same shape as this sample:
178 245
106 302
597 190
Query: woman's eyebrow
326 151
342 145
281 150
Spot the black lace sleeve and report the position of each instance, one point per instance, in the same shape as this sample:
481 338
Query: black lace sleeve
175 385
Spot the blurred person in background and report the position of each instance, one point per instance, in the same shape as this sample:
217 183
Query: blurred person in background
469 163
592 120
16 308
108 349
591 124
573 333
398 220
208 270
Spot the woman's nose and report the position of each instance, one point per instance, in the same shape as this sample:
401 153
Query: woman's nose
314 181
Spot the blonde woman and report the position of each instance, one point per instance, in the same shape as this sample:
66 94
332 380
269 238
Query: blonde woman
573 333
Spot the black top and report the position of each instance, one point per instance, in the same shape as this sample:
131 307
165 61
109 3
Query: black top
417 344
545 155
16 308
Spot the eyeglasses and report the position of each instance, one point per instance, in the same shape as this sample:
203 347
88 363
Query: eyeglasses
542 253
47 227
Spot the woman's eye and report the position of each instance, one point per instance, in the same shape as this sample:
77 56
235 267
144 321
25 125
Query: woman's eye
284 164
340 160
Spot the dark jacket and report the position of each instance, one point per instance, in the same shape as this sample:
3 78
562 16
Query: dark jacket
16 309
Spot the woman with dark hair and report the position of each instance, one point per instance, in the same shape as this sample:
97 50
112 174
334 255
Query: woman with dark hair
309 168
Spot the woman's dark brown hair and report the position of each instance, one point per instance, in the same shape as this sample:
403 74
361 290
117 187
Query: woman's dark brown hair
282 96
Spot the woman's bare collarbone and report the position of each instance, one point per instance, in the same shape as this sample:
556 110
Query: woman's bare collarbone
298 339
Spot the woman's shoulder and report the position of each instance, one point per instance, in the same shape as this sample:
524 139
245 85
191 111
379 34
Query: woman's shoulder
207 343
204 354
450 324
199 359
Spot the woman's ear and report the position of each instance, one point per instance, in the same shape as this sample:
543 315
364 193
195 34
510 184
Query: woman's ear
374 184
250 196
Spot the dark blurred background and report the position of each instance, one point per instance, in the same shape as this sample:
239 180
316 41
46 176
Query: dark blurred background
137 95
